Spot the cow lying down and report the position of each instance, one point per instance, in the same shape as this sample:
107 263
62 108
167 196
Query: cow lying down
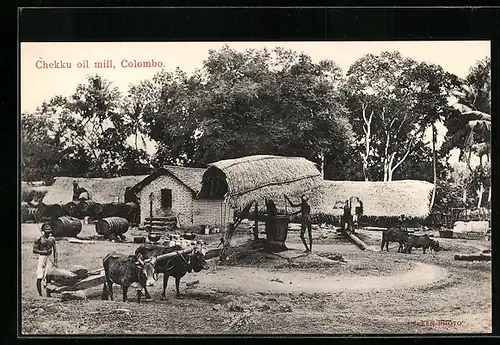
176 266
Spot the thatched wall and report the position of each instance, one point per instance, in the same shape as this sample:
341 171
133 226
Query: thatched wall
380 199
255 178
102 190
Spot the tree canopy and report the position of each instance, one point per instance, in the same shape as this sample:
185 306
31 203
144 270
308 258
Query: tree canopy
370 123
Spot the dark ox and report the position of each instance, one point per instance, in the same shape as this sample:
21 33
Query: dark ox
394 235
423 242
127 270
176 266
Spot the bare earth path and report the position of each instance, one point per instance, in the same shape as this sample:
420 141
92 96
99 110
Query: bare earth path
243 279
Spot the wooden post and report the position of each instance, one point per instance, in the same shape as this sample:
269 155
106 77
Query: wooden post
151 211
256 227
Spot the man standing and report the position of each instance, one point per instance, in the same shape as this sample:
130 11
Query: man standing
402 223
305 211
44 246
346 217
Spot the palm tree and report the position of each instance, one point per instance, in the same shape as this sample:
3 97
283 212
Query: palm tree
473 101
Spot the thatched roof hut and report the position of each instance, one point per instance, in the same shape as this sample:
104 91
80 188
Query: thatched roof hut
101 190
255 178
190 177
380 199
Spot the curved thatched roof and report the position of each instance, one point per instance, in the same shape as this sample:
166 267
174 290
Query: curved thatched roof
380 199
255 178
102 190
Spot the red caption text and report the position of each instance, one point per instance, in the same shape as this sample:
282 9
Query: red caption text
104 64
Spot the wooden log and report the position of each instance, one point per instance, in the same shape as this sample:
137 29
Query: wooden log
361 245
76 240
73 296
89 282
170 255
473 257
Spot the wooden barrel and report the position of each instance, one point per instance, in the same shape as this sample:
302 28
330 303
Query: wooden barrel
24 211
71 208
66 226
85 208
111 226
55 211
277 228
96 211
33 214
42 209
29 214
128 209
111 209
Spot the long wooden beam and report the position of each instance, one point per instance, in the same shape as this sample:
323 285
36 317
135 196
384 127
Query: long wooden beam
169 255
361 245
90 281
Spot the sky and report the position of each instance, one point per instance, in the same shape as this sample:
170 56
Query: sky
41 84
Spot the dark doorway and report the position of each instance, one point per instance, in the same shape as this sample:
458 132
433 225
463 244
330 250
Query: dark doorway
166 198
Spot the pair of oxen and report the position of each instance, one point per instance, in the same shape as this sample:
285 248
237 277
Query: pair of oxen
141 269
407 241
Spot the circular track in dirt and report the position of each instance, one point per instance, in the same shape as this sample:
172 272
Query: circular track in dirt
259 280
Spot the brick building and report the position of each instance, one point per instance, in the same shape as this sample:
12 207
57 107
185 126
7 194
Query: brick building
174 191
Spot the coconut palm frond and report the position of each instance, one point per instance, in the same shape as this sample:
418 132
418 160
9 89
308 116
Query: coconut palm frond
461 107
481 149
478 124
479 114
470 140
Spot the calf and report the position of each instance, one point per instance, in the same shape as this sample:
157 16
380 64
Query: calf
423 242
176 266
394 235
127 270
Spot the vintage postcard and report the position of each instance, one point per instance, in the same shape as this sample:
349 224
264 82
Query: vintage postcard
283 187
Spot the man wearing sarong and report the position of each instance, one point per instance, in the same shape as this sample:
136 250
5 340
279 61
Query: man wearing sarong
346 217
44 246
305 211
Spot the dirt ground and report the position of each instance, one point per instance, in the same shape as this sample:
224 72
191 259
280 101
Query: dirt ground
338 289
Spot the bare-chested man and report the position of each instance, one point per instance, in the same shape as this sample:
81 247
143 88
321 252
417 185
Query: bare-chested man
44 246
305 211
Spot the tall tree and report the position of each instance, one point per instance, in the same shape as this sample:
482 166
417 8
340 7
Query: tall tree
40 152
469 130
392 100
251 102
90 130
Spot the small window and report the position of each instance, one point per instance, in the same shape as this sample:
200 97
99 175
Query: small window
166 198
